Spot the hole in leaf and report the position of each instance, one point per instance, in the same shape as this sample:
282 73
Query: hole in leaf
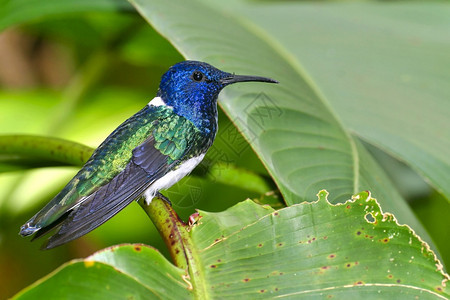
370 218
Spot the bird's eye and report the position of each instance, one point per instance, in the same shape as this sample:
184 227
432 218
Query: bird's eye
197 76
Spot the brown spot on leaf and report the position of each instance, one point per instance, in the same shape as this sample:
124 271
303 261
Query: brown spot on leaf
439 289
260 245
280 244
325 237
358 233
359 283
385 240
331 256
348 206
325 267
213 266
390 276
398 281
137 248
262 291
246 280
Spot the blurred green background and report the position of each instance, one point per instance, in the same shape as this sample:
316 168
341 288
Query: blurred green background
78 77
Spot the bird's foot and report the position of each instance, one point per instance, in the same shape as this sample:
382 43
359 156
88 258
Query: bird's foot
162 197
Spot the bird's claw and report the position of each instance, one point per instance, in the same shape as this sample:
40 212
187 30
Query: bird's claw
164 198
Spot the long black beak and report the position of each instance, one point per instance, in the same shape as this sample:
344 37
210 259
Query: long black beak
243 78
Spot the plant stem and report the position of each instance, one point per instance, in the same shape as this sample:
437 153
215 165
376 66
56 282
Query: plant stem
171 228
45 149
175 234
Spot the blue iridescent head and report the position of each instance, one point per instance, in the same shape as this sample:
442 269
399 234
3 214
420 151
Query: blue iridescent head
192 87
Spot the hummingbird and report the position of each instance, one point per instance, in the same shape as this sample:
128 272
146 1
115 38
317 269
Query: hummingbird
149 152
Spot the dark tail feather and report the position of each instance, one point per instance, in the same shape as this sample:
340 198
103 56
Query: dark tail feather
71 230
52 226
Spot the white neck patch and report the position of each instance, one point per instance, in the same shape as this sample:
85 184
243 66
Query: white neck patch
158 101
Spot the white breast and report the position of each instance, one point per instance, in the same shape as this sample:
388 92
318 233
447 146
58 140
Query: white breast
172 177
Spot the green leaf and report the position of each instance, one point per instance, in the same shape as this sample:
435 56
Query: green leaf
380 67
15 12
120 272
316 250
299 136
311 249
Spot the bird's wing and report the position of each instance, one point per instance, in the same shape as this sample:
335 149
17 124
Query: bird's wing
107 161
114 177
147 165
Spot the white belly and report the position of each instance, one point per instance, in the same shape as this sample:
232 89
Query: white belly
172 177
